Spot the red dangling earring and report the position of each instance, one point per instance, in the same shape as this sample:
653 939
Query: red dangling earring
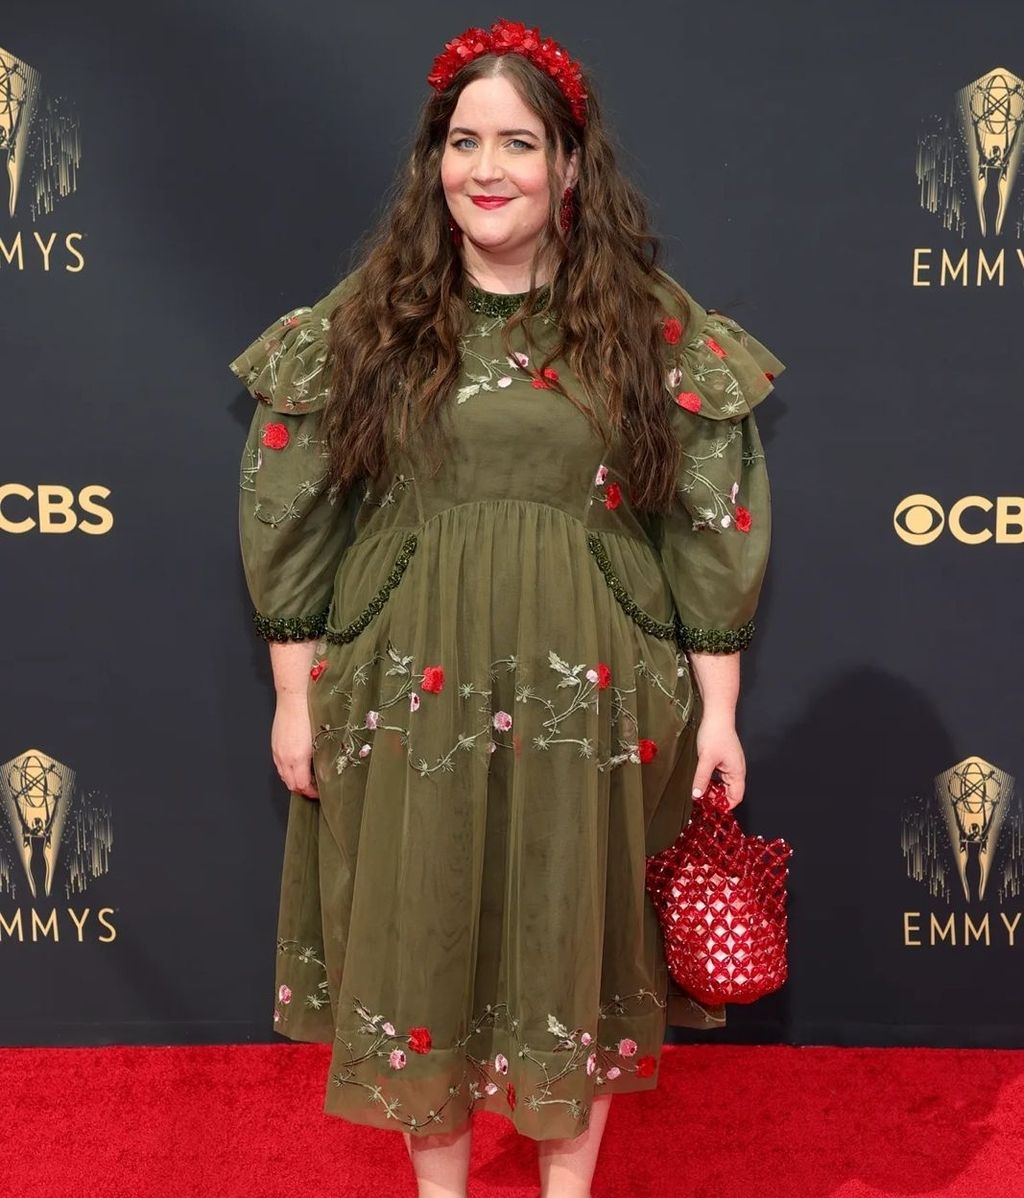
566 212
454 232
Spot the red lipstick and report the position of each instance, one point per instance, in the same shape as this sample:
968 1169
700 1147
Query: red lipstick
490 201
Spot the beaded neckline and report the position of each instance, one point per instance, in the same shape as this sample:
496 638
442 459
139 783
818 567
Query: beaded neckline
493 303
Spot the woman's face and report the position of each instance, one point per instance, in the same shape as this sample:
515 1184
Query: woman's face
495 147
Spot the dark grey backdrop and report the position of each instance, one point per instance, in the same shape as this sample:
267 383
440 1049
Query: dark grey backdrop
231 154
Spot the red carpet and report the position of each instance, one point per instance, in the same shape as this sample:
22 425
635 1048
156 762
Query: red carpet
727 1121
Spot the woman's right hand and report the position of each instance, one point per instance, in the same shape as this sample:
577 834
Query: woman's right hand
291 744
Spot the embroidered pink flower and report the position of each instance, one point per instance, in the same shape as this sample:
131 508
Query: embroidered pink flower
275 436
689 400
645 1066
585 1039
612 496
372 720
491 746
284 995
389 1029
501 1063
290 322
627 1048
733 491
613 1073
715 348
675 377
502 721
518 359
491 1088
504 381
364 751
671 330
414 701
743 519
433 678
601 475
648 749
419 1039
396 1059
591 1063
277 1015
318 669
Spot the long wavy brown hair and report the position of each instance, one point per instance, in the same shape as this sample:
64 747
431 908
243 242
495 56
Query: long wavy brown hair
393 356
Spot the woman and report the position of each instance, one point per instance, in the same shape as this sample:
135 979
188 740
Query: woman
504 521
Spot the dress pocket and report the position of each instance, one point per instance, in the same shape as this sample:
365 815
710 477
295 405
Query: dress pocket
668 630
349 632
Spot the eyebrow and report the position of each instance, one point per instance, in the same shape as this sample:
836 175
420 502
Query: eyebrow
501 132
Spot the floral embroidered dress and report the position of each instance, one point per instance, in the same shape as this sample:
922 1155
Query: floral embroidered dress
504 717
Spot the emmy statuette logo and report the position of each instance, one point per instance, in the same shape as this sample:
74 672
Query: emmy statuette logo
968 172
55 841
964 843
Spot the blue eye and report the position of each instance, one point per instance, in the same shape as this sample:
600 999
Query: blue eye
514 141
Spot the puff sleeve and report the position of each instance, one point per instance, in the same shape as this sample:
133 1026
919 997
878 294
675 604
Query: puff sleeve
714 543
292 528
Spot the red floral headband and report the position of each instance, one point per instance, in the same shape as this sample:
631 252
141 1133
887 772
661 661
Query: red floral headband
512 37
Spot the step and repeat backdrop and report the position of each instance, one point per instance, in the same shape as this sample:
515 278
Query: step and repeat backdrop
851 188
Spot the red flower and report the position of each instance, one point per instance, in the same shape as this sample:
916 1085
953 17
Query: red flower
612 496
715 348
275 436
742 518
648 749
769 376
291 322
433 678
549 372
511 1096
645 1066
671 330
318 669
689 400
419 1039
538 384
604 675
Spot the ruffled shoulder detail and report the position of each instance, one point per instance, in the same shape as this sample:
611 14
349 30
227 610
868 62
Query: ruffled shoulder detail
713 366
284 366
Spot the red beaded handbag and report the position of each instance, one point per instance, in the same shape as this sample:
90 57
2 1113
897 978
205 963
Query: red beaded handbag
721 898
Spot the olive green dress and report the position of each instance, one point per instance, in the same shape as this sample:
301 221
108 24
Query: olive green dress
504 717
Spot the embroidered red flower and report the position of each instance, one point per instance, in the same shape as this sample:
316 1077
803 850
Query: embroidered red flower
769 376
671 330
419 1039
291 322
433 678
275 436
511 1096
612 496
648 749
550 374
689 400
318 669
715 348
604 675
645 1066
743 518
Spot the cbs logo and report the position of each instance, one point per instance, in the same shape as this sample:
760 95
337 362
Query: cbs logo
920 519
53 508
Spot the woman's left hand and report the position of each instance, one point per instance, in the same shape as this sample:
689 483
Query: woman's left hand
718 747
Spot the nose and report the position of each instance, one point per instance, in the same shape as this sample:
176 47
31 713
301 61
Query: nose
486 164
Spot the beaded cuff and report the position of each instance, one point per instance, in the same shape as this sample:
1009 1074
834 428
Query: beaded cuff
716 640
659 628
290 628
351 631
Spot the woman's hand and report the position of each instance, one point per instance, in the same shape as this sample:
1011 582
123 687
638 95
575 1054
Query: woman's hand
291 744
718 747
